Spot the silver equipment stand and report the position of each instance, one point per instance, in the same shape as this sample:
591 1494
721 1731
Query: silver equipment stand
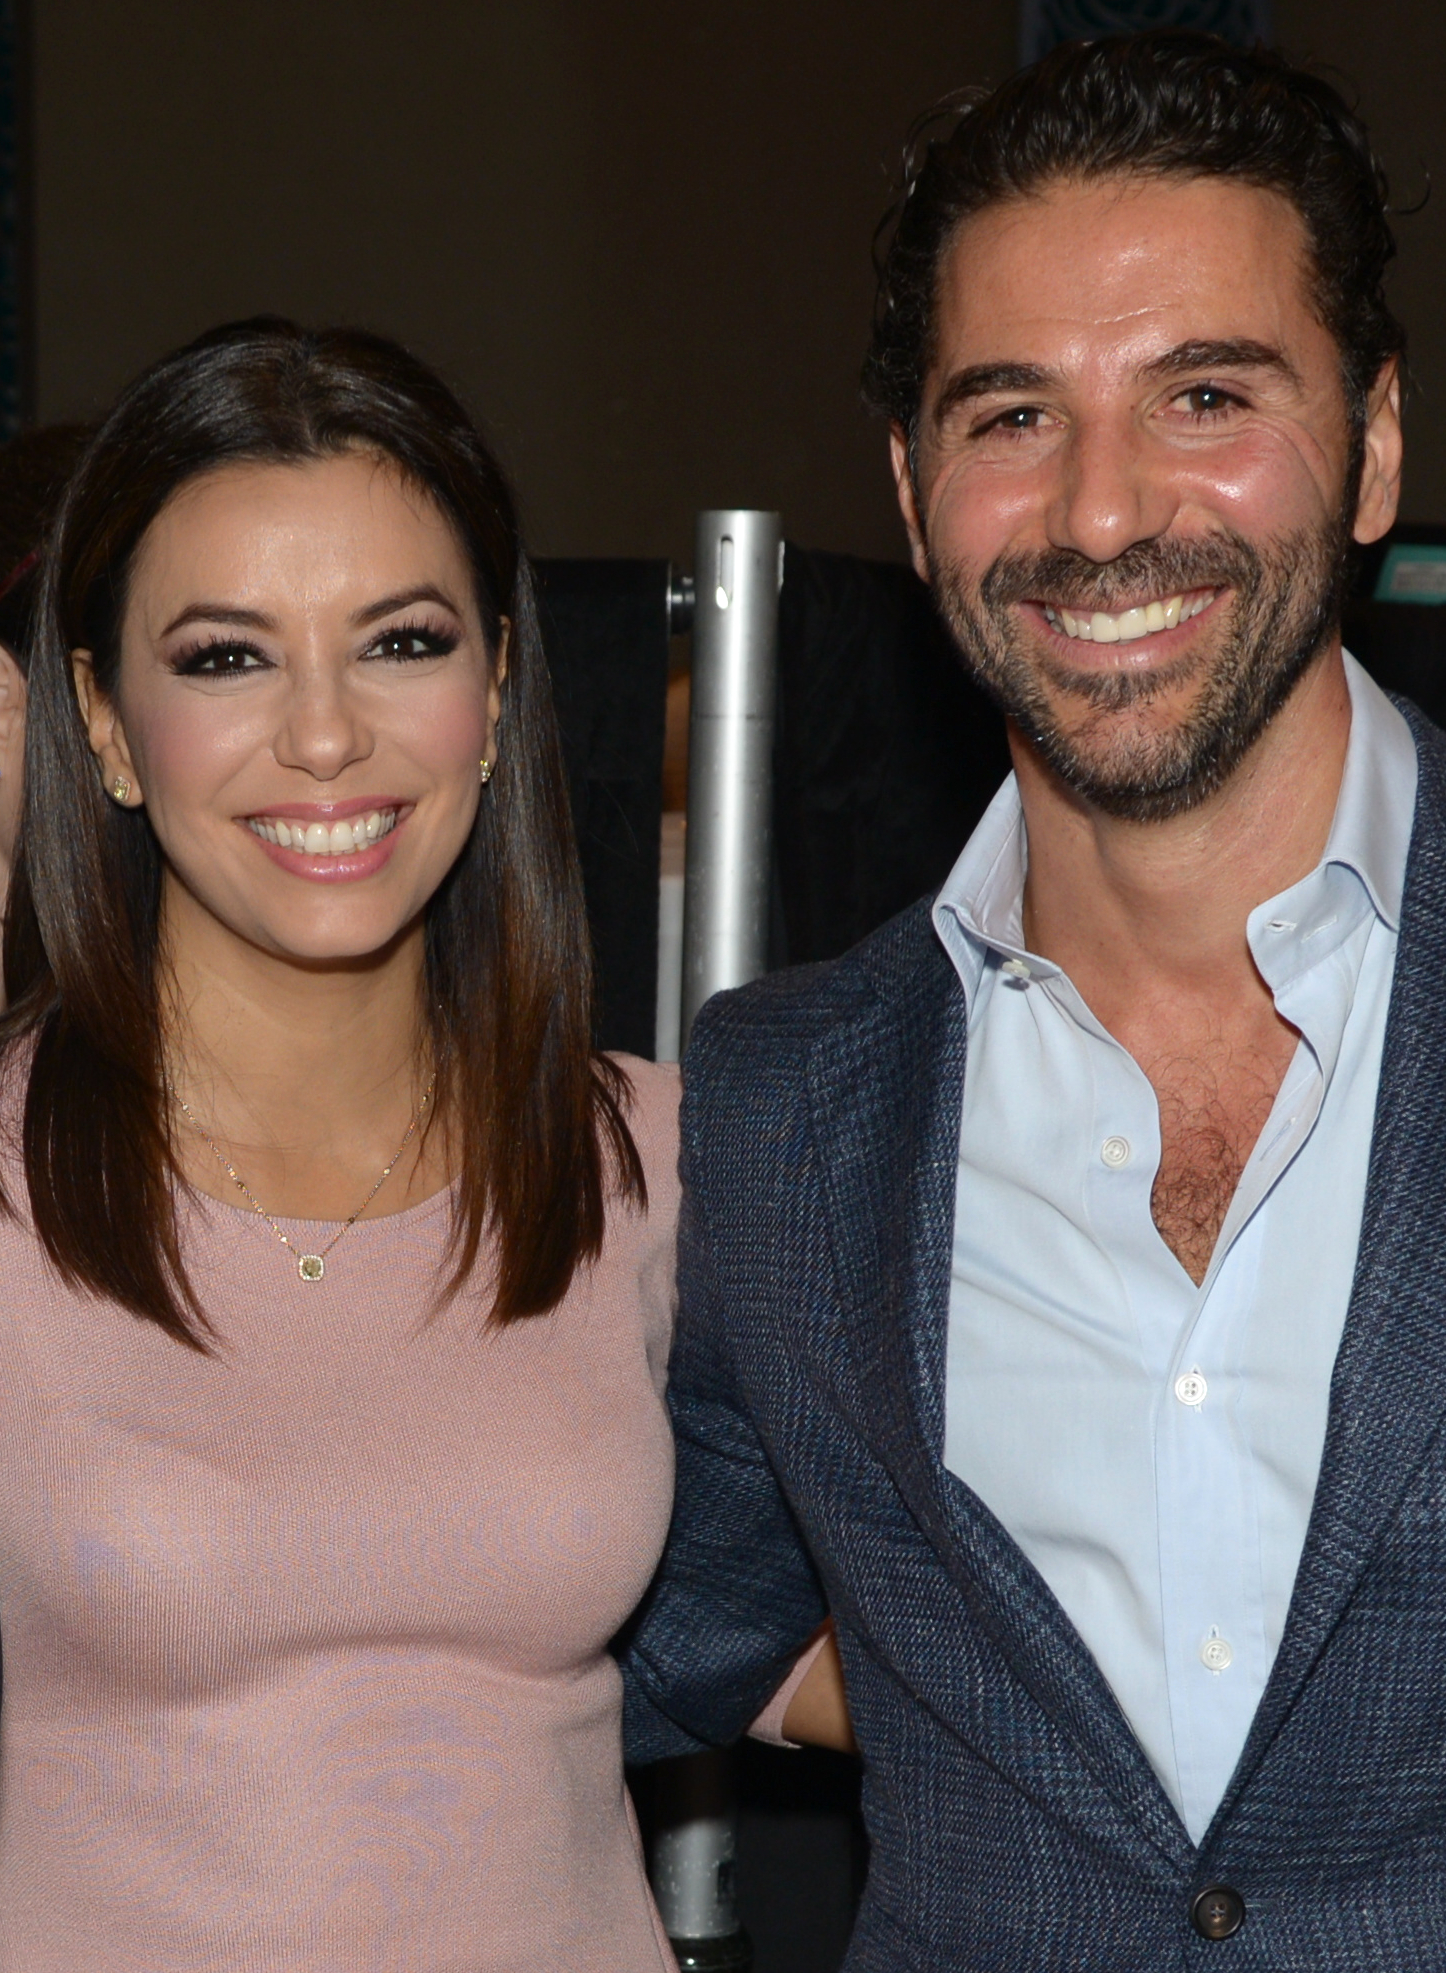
693 1852
738 572
737 575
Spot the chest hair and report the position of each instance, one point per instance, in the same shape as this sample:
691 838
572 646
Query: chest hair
1214 1103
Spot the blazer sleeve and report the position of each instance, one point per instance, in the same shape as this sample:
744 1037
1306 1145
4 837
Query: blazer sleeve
736 1597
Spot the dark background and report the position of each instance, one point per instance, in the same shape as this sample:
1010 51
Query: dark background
636 235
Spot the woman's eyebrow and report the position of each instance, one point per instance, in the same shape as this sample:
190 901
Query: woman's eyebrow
241 619
221 613
403 599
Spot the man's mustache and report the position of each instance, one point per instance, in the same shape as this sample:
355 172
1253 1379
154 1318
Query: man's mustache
1146 569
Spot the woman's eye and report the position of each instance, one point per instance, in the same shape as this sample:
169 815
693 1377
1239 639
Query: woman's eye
221 661
412 641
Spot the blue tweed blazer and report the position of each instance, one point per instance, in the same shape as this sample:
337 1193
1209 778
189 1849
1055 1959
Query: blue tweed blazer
1016 1826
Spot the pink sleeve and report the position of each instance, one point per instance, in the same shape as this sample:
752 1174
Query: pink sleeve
769 1723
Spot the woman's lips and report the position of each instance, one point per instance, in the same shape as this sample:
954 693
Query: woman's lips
331 835
332 843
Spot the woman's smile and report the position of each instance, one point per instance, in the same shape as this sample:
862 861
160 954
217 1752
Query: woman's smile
329 842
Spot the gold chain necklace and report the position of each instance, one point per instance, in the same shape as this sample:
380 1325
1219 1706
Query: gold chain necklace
311 1267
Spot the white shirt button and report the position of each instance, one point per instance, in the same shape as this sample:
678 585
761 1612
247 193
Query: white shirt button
1115 1151
1017 969
1215 1653
1190 1388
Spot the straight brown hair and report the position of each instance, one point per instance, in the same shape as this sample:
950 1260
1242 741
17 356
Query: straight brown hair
537 1115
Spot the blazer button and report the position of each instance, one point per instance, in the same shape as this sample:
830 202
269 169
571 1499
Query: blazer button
1217 1912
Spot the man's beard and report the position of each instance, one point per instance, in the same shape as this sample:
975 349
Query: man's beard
1285 603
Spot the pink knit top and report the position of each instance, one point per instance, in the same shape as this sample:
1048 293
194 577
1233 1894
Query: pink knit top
305 1660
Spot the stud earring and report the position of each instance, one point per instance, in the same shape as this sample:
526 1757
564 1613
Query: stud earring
484 771
120 790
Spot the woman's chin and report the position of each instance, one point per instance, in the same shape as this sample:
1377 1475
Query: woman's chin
329 930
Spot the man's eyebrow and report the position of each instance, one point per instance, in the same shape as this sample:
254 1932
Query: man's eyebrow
220 613
404 599
1235 353
1229 353
983 379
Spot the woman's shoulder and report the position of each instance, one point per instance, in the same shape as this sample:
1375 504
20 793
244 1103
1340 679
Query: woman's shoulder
642 1243
650 1105
651 1101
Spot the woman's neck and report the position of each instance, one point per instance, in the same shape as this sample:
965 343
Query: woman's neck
304 1077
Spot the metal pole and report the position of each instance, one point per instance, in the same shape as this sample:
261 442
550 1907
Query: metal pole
738 572
668 1008
693 1854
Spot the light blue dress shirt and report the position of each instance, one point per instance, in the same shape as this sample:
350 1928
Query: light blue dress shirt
1153 1447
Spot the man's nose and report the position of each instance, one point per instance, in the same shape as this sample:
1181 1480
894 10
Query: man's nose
322 730
1110 492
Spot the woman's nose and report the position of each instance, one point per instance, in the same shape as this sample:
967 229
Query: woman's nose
322 730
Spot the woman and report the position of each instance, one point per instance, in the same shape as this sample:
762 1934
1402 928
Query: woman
335 1282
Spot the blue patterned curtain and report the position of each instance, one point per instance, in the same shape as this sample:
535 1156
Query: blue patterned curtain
1042 23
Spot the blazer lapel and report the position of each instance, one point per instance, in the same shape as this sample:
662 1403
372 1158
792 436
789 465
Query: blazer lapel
887 1088
1388 1391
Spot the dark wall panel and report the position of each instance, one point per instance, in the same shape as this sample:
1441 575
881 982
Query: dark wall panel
637 235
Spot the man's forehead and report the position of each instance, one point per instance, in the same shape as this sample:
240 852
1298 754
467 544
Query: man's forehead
1124 263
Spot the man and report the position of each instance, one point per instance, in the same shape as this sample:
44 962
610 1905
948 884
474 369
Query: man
1064 1271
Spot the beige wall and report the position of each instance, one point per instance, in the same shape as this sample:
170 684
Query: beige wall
635 235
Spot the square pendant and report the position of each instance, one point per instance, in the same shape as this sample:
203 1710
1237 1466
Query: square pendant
311 1267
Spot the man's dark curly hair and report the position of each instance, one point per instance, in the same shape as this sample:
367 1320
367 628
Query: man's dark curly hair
1163 104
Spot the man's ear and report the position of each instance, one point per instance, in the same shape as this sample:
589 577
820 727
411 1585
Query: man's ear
1380 493
107 735
902 464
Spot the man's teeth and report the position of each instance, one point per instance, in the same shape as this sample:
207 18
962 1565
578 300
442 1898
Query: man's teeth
1100 627
322 839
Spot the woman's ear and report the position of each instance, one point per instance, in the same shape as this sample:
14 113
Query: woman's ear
12 759
107 735
13 694
497 674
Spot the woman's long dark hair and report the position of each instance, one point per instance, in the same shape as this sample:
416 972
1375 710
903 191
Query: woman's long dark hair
537 1117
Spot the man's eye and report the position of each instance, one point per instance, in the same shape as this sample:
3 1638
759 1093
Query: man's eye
1205 399
412 641
1018 418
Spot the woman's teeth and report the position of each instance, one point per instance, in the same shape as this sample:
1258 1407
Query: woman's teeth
323 839
1100 627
